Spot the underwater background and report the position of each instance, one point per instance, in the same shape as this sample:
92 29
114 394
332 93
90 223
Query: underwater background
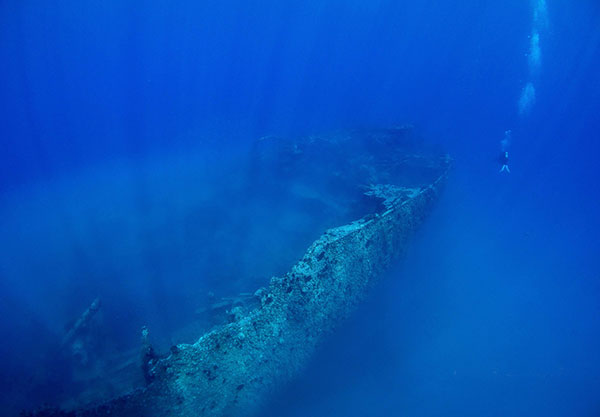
119 120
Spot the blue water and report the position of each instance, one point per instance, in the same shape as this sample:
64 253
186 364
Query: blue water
111 111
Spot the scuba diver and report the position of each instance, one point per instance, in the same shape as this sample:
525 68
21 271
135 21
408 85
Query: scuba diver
149 356
503 159
504 162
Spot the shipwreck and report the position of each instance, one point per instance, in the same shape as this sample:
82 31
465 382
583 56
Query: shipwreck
268 337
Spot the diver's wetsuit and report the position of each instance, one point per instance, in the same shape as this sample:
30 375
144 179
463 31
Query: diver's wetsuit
503 159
